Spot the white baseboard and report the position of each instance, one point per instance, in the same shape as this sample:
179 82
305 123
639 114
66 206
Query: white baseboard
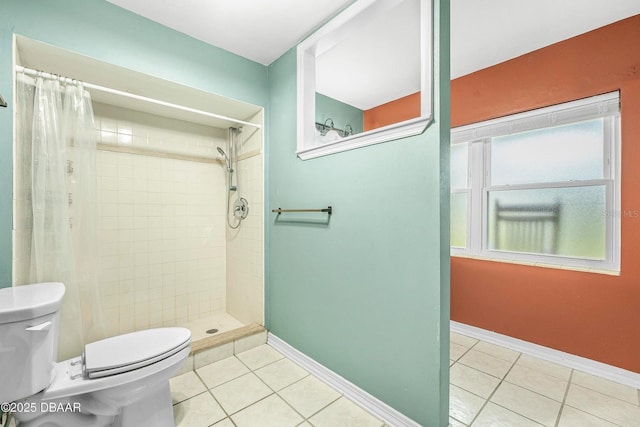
583 364
372 404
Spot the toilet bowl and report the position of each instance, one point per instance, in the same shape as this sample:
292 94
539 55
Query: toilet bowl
120 381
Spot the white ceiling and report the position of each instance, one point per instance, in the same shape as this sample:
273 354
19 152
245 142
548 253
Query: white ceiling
483 33
260 30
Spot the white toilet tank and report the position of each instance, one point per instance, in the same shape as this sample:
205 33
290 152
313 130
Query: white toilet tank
28 338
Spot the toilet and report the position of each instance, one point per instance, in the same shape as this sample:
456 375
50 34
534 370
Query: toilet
121 381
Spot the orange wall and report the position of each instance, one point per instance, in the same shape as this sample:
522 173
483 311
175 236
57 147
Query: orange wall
591 315
401 109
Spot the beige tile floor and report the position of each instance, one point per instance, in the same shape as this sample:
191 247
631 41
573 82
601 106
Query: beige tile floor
261 388
495 386
490 386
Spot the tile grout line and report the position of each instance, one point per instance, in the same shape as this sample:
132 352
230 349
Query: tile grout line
602 392
287 402
458 361
581 364
530 391
188 398
340 395
228 415
309 374
270 363
595 391
564 399
463 354
502 380
307 419
222 383
487 400
209 390
525 388
275 392
251 371
563 403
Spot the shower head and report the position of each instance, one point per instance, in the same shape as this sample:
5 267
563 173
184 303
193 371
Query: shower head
226 159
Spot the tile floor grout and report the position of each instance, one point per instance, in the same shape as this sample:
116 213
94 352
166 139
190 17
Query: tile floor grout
495 390
229 415
208 390
313 414
564 399
570 381
273 391
525 380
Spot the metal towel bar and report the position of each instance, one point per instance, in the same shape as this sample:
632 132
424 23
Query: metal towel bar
328 210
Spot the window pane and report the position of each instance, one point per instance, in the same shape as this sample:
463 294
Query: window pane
561 153
459 220
459 165
566 221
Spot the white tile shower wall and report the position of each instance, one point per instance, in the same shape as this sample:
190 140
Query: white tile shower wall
127 128
245 247
162 224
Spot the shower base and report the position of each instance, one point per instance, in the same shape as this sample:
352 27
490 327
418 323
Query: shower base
233 337
223 322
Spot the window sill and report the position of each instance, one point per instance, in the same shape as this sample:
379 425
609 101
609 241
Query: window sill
541 264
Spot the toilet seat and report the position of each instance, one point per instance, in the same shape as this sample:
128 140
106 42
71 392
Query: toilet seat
121 381
132 351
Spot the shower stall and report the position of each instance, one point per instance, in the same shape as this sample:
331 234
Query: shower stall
178 200
182 250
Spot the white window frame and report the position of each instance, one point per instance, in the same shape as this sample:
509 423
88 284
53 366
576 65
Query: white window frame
479 135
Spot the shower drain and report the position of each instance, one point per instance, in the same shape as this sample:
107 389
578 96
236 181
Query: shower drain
212 331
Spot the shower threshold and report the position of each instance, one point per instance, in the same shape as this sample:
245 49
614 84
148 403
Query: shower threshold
229 331
222 338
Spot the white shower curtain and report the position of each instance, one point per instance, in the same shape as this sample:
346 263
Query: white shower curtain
56 190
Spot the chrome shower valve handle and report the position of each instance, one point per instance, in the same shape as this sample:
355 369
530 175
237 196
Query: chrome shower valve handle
241 208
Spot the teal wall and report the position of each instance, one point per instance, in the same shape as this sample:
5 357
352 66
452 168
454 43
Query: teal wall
6 155
342 114
100 30
368 294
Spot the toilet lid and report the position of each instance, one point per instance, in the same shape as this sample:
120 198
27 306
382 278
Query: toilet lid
134 350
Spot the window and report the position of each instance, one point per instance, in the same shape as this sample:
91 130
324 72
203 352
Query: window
541 186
